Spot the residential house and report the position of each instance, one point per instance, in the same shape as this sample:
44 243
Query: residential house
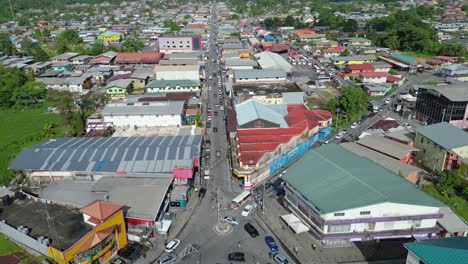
442 103
366 200
441 146
82 59
168 86
140 77
355 42
438 251
148 114
376 89
106 58
138 58
248 76
118 89
454 70
39 68
62 66
373 77
67 56
353 70
109 37
381 66
332 52
80 85
179 43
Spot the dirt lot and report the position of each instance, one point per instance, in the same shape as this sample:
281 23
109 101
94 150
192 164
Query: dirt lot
321 97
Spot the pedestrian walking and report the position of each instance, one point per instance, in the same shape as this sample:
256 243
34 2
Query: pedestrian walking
270 255
313 246
238 244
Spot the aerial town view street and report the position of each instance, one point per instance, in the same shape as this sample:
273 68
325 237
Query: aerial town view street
236 131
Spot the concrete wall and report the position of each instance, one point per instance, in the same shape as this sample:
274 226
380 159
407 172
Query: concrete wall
144 121
172 89
429 155
26 240
177 75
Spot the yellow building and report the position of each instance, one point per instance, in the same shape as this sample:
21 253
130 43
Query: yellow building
106 237
110 37
358 59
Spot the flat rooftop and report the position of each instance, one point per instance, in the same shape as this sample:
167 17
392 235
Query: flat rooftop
244 92
68 221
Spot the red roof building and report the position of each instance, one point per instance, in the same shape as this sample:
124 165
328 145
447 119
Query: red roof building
353 70
99 211
138 58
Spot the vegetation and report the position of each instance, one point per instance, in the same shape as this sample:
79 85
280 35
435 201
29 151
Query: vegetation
7 248
455 196
350 106
272 23
131 45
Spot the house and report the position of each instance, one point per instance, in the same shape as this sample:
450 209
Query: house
332 52
179 43
438 251
454 70
442 103
187 72
118 89
109 37
270 60
357 59
39 68
62 66
91 234
82 59
355 42
373 77
381 66
246 76
106 58
365 201
118 157
441 146
80 85
140 77
138 58
353 70
67 56
150 114
168 86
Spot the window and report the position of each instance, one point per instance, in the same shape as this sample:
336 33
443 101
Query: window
339 228
416 223
422 140
338 214
364 213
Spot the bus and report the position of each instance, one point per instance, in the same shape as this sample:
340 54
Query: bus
240 199
317 68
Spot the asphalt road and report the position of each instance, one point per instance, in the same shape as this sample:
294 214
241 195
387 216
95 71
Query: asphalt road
213 247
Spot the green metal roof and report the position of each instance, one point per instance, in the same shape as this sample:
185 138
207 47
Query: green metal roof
445 135
173 83
441 251
335 179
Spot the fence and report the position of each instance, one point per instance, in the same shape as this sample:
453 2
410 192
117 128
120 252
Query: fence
23 238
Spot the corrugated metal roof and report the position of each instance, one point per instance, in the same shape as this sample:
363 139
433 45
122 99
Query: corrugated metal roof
261 74
441 251
153 108
110 154
240 62
270 60
386 146
445 135
251 110
337 180
173 83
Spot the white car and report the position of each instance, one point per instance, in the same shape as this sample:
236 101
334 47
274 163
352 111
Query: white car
354 125
221 108
387 101
247 210
406 125
339 135
171 246
206 175
231 220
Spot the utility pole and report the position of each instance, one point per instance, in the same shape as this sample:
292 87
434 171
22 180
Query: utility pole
443 115
11 10
337 116
263 197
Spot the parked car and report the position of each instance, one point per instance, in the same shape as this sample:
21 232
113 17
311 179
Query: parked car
231 220
247 210
171 246
167 259
236 256
271 243
339 135
406 125
249 228
206 175
215 129
118 261
280 259
354 125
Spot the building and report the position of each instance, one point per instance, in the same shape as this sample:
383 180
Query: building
140 77
239 64
39 68
454 70
67 56
389 148
357 59
248 76
444 103
110 37
187 72
438 251
376 89
373 77
88 158
80 85
118 89
82 59
91 234
138 58
179 43
168 86
441 146
151 114
270 60
106 58
355 42
343 197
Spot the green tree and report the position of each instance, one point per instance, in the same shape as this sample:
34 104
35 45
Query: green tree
131 45
29 95
48 130
173 26
5 44
350 25
39 54
26 46
37 33
352 101
65 103
96 49
446 182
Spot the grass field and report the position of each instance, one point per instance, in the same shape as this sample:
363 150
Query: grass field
20 129
458 204
7 248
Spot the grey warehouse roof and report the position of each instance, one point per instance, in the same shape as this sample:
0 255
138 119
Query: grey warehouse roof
153 108
270 60
252 74
445 135
455 93
252 109
110 154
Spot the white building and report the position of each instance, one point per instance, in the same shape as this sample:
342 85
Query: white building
171 86
273 61
179 43
148 114
343 197
373 77
249 76
72 84
183 72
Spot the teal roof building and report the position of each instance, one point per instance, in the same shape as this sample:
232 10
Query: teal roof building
452 250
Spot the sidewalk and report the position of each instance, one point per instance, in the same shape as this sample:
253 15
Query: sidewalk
300 245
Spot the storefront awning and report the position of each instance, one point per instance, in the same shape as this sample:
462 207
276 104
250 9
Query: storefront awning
295 223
